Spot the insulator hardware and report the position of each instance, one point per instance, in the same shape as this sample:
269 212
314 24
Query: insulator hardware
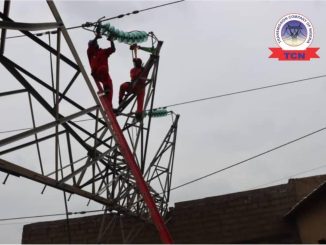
159 112
123 37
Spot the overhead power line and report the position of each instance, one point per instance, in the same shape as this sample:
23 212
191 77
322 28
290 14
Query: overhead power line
14 130
23 129
248 159
133 12
50 215
288 177
93 211
159 6
244 91
208 98
106 19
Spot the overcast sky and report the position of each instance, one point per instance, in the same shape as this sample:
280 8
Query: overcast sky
210 48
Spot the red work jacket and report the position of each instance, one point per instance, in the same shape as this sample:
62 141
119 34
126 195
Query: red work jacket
98 57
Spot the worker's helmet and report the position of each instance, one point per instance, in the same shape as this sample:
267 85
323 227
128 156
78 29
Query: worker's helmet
138 62
92 43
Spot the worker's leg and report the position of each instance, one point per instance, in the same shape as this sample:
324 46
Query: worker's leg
140 101
108 90
107 84
140 104
98 83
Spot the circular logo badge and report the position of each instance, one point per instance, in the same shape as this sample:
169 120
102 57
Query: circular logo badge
294 32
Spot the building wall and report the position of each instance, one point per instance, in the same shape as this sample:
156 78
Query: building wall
255 216
304 186
311 221
87 230
246 217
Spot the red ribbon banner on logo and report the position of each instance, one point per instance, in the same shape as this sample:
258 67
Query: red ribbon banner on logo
299 55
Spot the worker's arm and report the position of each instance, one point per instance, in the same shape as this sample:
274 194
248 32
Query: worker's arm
110 50
112 44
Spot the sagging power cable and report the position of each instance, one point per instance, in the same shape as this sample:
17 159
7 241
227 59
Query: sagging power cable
244 91
87 24
93 211
248 159
24 129
288 177
208 98
50 215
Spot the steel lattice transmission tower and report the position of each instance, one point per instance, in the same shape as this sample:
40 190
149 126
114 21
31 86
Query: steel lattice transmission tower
83 154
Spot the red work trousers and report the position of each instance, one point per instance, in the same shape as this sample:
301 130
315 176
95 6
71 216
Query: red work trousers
137 89
101 75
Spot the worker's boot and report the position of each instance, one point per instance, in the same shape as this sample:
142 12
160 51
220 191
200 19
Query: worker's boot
121 100
104 92
115 111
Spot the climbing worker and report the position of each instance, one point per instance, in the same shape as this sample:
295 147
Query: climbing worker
137 86
98 60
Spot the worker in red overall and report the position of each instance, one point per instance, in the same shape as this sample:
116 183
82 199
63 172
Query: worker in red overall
98 60
136 86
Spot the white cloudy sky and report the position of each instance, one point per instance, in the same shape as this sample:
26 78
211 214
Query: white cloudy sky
210 48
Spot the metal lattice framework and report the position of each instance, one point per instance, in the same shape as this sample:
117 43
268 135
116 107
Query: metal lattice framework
87 160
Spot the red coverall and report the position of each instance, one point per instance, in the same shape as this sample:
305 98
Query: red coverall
98 60
135 86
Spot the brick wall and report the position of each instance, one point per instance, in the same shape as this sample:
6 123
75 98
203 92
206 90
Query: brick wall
252 216
86 230
255 216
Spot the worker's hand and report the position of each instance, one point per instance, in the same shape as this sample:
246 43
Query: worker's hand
133 46
98 35
110 38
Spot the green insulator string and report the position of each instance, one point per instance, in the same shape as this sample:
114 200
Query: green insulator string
123 37
159 112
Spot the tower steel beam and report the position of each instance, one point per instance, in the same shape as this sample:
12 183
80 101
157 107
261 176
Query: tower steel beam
39 129
13 92
20 26
45 85
43 44
143 188
9 66
9 167
30 143
75 55
114 168
6 8
157 219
